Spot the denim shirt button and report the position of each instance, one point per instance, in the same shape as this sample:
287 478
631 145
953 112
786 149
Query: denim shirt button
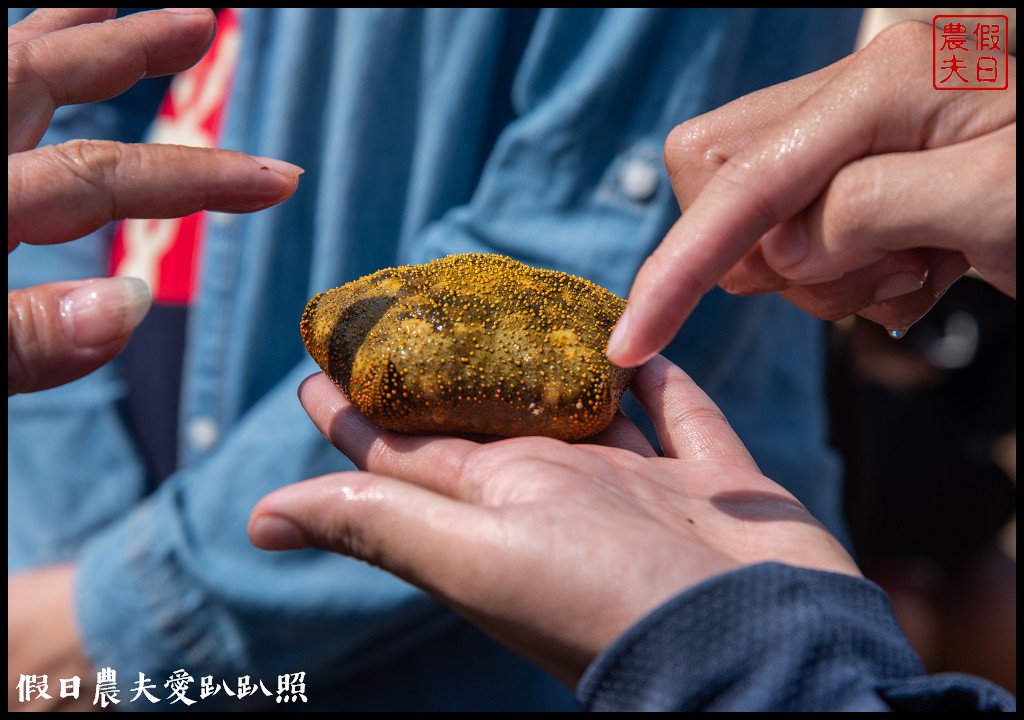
202 432
638 180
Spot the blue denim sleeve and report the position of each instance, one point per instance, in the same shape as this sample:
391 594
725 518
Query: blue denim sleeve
773 637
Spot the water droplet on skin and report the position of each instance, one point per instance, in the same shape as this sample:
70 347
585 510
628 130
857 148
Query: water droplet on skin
896 333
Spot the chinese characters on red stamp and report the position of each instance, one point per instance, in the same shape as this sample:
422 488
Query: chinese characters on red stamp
969 52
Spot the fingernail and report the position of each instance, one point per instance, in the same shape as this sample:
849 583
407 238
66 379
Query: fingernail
783 250
279 166
620 336
273 532
948 272
106 309
898 284
187 11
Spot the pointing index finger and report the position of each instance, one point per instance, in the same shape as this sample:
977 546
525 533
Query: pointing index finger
769 180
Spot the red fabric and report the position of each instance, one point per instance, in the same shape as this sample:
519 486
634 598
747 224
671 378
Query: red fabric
165 252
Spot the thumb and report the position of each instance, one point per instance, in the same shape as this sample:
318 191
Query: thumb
59 332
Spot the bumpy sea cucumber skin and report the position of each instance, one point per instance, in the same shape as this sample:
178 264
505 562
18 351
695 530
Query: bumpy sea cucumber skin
472 344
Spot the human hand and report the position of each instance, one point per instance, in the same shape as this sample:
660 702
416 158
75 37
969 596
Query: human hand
42 639
61 331
856 189
554 549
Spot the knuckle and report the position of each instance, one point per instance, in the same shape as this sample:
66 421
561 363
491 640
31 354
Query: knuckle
84 157
685 415
900 36
28 68
18 187
93 164
690 153
19 65
686 140
28 317
898 52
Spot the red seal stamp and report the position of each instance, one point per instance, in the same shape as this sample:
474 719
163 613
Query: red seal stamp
969 52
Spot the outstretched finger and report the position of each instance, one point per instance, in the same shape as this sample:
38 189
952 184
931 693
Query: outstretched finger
430 461
59 332
690 426
428 539
783 171
96 61
105 181
48 20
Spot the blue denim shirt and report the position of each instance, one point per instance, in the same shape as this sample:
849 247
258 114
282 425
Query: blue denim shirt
423 133
786 639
